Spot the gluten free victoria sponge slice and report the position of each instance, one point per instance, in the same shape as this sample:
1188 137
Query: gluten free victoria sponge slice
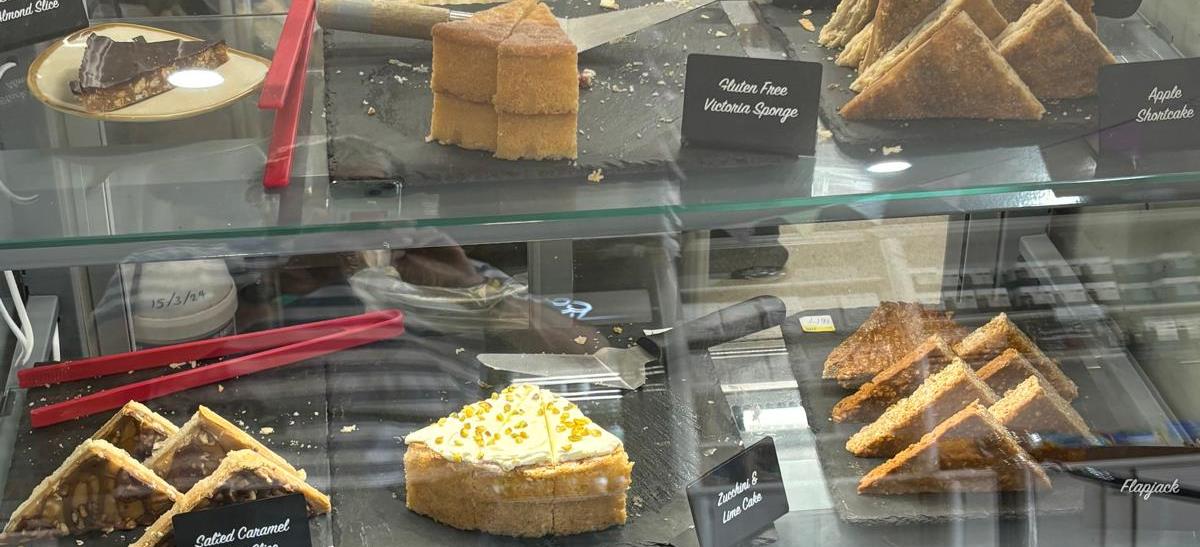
892 330
464 52
1055 52
99 488
244 475
895 382
990 340
136 430
905 422
200 445
956 73
968 452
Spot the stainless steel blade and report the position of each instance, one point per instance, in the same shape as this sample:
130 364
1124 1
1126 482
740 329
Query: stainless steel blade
623 368
595 30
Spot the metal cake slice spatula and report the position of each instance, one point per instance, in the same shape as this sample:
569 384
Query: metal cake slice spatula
625 368
398 18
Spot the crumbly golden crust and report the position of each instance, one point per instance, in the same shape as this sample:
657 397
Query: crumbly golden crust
982 12
903 423
1034 407
856 48
1055 52
530 501
99 487
201 445
1007 371
538 67
957 73
136 430
894 19
848 21
1014 9
968 452
895 382
892 330
536 136
244 475
989 341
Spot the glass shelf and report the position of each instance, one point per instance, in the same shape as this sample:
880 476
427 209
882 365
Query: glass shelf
87 192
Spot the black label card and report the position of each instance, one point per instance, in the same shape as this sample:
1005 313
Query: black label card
739 497
1149 107
765 105
274 522
24 22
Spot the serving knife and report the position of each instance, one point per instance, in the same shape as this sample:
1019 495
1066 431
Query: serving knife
625 368
403 19
1097 464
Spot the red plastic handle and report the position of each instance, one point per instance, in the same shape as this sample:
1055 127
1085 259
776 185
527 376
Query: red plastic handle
289 56
115 398
287 119
193 351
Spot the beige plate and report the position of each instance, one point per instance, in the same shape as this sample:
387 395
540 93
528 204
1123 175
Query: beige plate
52 71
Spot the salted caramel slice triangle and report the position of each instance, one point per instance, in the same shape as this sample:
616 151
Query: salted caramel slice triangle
200 445
244 475
1055 52
136 430
968 452
957 73
99 488
982 12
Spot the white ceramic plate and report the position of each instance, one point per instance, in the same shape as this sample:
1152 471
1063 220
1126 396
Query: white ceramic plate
51 72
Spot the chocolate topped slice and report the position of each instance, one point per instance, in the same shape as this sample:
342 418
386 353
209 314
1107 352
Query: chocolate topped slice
117 74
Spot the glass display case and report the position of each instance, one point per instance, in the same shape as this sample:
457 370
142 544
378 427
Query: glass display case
401 273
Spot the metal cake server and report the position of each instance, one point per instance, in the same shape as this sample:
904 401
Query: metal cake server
398 18
625 368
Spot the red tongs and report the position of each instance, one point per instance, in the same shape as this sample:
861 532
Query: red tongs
283 90
263 350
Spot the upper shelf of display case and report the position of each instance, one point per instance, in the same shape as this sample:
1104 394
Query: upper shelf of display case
80 191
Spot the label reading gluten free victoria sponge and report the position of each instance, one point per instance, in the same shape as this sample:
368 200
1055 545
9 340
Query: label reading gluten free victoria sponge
740 497
272 522
24 22
764 105
1150 107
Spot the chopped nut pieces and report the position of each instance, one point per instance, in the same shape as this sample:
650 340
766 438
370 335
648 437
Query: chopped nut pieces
808 25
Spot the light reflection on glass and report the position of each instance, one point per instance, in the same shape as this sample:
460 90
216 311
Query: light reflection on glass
195 78
889 166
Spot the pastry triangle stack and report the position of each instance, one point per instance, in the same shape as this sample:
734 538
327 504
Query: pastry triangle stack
989 341
1055 52
905 422
895 382
1034 407
956 73
99 488
892 330
136 430
982 12
200 445
969 452
506 80
1007 371
856 48
244 475
894 19
848 21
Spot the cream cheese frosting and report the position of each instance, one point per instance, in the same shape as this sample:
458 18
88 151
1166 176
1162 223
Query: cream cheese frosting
520 426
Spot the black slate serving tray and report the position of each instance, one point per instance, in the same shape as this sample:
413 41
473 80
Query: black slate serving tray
1065 119
842 470
290 399
378 105
384 392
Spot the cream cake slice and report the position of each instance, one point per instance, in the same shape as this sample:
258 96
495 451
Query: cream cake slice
524 462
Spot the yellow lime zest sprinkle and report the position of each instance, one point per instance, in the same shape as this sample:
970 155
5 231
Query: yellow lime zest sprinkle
566 447
438 440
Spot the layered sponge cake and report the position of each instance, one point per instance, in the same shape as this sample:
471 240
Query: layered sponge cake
524 463
506 81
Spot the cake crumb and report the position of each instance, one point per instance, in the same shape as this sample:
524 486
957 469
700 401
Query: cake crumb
581 340
349 428
617 329
265 430
596 176
889 150
720 34
370 111
824 134
808 25
806 12
587 77
609 4
459 351
220 388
